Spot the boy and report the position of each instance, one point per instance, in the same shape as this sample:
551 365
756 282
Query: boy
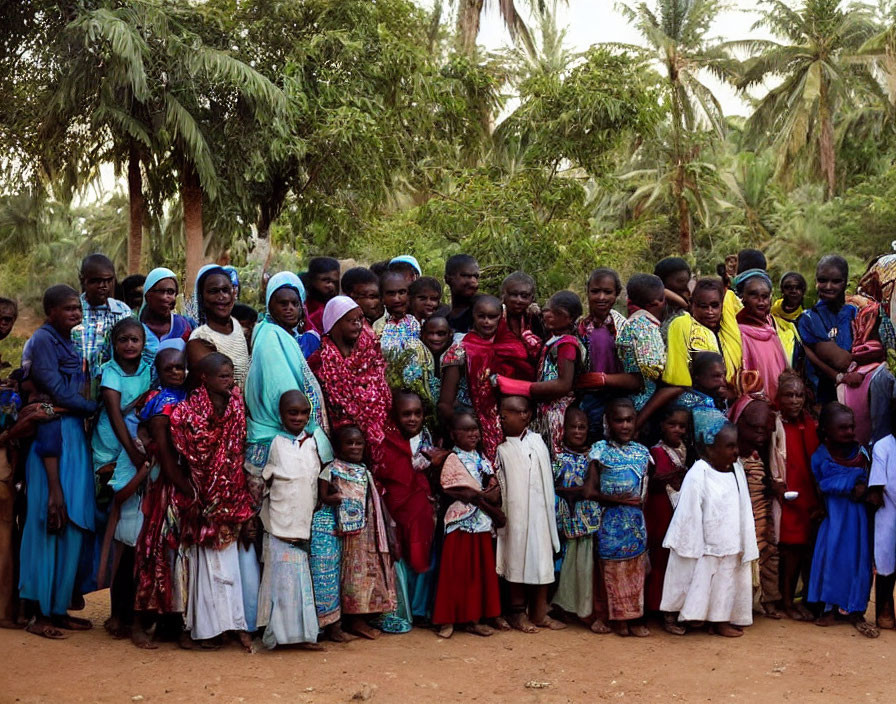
363 286
526 545
462 277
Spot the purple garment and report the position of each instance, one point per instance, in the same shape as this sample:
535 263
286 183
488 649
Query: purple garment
602 351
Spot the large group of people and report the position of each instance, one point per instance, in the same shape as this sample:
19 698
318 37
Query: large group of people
372 453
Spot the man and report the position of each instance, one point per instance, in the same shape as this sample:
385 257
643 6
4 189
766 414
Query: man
462 277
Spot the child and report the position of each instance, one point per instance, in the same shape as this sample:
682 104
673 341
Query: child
247 317
367 581
526 545
61 505
578 520
561 361
397 326
158 591
841 564
883 480
120 460
467 590
711 537
520 312
666 474
435 334
755 422
618 479
407 265
322 283
363 287
286 599
425 296
690 333
402 474
798 514
209 430
639 343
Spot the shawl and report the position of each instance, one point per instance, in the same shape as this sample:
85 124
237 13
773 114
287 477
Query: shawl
455 475
762 350
355 387
505 355
586 328
406 494
212 446
729 334
779 312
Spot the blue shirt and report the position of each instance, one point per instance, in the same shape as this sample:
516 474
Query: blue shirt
821 324
55 366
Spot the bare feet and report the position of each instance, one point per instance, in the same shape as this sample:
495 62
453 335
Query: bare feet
360 627
12 625
826 619
600 627
480 629
671 625
141 639
726 630
72 623
185 642
620 628
337 635
446 631
317 647
771 611
520 621
551 624
211 643
798 612
245 639
501 624
42 627
639 630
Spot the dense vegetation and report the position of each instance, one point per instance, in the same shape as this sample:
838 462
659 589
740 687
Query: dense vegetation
264 132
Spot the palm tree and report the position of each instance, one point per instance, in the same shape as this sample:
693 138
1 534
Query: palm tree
675 33
469 14
813 59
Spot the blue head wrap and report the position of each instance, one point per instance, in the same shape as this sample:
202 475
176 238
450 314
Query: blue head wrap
153 277
205 271
741 279
172 343
708 423
281 280
407 259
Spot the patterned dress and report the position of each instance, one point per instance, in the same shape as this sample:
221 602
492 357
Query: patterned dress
641 349
551 413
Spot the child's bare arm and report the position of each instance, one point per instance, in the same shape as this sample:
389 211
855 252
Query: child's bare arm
167 456
557 388
327 493
128 490
112 402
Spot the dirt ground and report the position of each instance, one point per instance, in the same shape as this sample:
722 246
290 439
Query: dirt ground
773 662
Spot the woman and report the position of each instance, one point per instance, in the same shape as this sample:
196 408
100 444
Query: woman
214 297
351 371
157 312
763 351
787 310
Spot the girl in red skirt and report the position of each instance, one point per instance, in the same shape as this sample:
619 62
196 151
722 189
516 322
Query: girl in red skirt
467 591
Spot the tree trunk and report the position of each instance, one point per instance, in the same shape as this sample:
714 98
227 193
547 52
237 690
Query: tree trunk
137 211
191 200
826 155
684 213
468 15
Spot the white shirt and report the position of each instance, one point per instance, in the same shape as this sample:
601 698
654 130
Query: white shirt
292 470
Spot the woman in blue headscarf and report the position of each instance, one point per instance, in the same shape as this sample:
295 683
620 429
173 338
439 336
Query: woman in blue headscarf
157 314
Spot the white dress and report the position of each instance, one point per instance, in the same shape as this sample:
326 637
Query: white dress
233 345
526 545
712 541
215 601
883 474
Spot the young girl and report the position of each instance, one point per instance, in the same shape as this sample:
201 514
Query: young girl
119 458
209 429
467 592
286 598
518 297
397 327
322 283
368 576
694 332
424 298
711 537
639 343
665 477
578 520
618 479
797 514
526 545
59 519
157 560
604 377
763 350
883 480
841 565
402 474
435 334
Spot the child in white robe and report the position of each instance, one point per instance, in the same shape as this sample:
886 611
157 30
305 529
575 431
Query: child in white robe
286 597
712 539
526 545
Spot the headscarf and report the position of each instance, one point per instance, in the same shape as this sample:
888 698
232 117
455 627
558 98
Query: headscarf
233 274
708 423
207 270
281 280
741 279
172 343
407 259
336 309
152 278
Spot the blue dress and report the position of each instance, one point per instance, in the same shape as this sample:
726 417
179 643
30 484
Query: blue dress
841 565
50 562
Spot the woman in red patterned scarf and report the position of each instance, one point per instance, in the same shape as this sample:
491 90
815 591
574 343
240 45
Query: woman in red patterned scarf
351 372
209 430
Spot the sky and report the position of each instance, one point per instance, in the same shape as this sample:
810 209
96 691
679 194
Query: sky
590 22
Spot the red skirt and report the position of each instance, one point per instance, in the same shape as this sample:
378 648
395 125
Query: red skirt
658 516
467 591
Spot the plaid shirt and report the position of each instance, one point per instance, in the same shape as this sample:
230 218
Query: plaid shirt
91 337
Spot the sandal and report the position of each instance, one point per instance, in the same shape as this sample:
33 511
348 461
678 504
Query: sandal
520 621
867 629
45 630
446 631
639 630
671 625
600 627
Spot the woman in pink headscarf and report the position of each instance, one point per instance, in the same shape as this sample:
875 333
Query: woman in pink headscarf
351 370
